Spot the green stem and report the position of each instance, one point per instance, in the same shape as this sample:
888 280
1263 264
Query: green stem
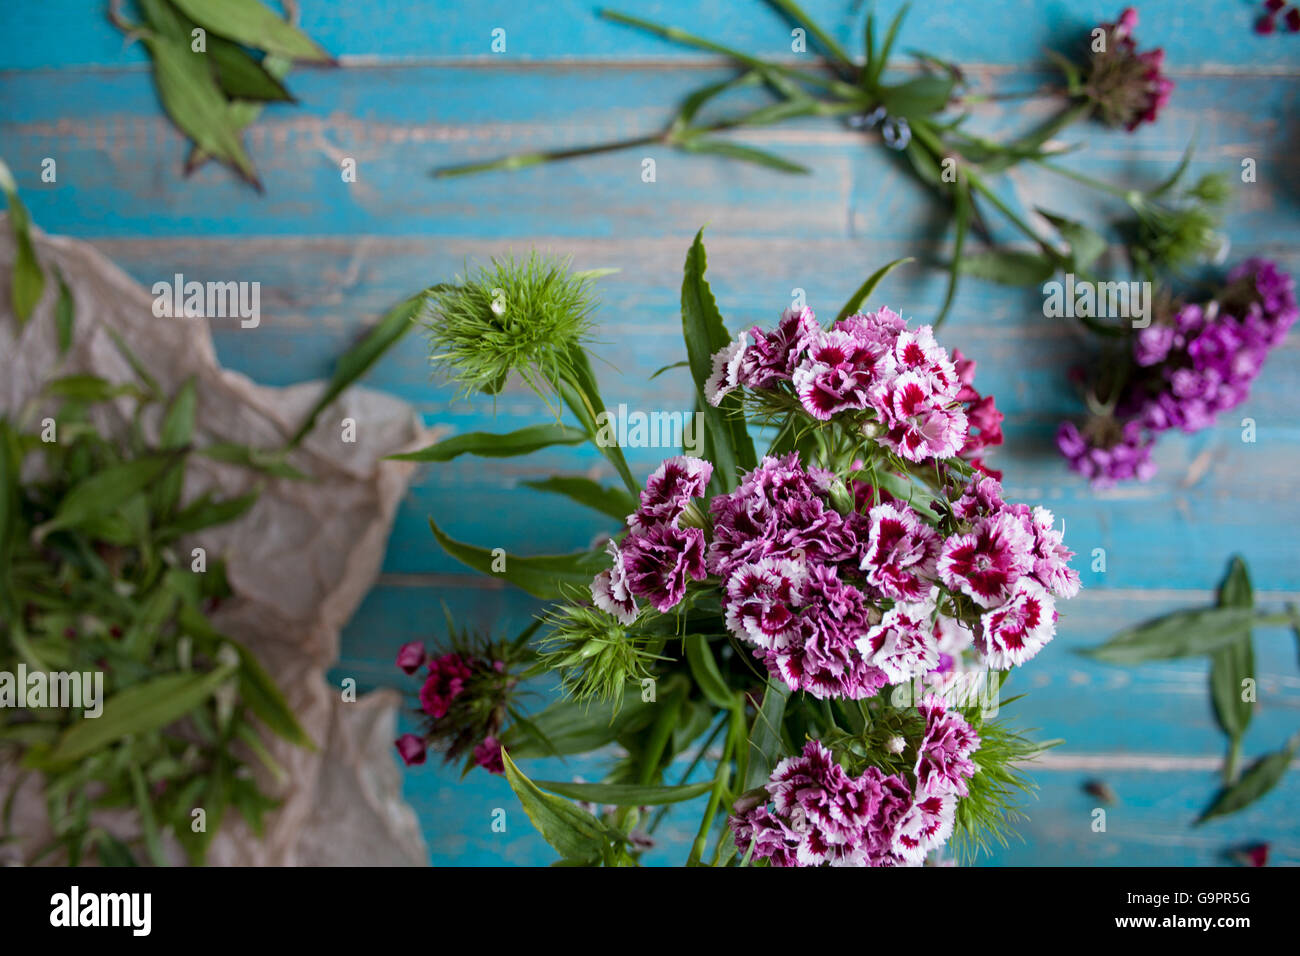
980 186
838 87
699 755
1124 194
524 160
1234 760
720 781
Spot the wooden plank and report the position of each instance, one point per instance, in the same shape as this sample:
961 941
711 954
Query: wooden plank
120 161
1007 32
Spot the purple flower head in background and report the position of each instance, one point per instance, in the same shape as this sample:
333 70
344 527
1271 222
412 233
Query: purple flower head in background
446 681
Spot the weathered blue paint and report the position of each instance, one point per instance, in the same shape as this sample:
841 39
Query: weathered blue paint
419 89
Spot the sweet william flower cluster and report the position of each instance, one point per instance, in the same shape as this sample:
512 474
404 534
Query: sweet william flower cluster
841 589
819 631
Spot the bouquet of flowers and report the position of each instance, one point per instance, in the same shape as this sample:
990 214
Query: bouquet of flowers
844 609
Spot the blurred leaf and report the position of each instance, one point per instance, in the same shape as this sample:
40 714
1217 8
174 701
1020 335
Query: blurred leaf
190 94
257 689
748 154
243 78
65 314
1086 245
918 97
252 24
1259 779
489 445
265 460
1008 267
149 705
358 359
1234 663
28 282
205 512
1180 634
107 490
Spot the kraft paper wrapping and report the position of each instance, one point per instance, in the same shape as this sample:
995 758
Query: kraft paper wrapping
299 562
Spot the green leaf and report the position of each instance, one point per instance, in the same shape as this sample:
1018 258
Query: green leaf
148 823
962 214
250 23
243 78
191 97
89 389
1008 267
917 98
10 478
177 429
614 502
704 668
868 287
878 61
666 368
1234 663
748 154
1086 245
65 314
705 334
265 460
1180 634
694 102
581 394
148 705
765 746
827 42
569 727
28 281
1259 779
106 491
541 576
489 445
625 794
257 689
573 832
358 359
112 851
204 512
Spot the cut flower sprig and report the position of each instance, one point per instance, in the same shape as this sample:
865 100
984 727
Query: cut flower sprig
826 628
923 117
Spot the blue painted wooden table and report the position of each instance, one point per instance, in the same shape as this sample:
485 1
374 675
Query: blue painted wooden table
419 87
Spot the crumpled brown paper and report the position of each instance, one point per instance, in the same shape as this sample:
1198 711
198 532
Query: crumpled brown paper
299 562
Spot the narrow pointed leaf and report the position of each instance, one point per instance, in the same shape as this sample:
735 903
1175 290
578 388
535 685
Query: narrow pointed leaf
573 832
1180 634
251 23
149 705
542 576
490 445
614 502
358 360
1261 777
625 794
868 287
